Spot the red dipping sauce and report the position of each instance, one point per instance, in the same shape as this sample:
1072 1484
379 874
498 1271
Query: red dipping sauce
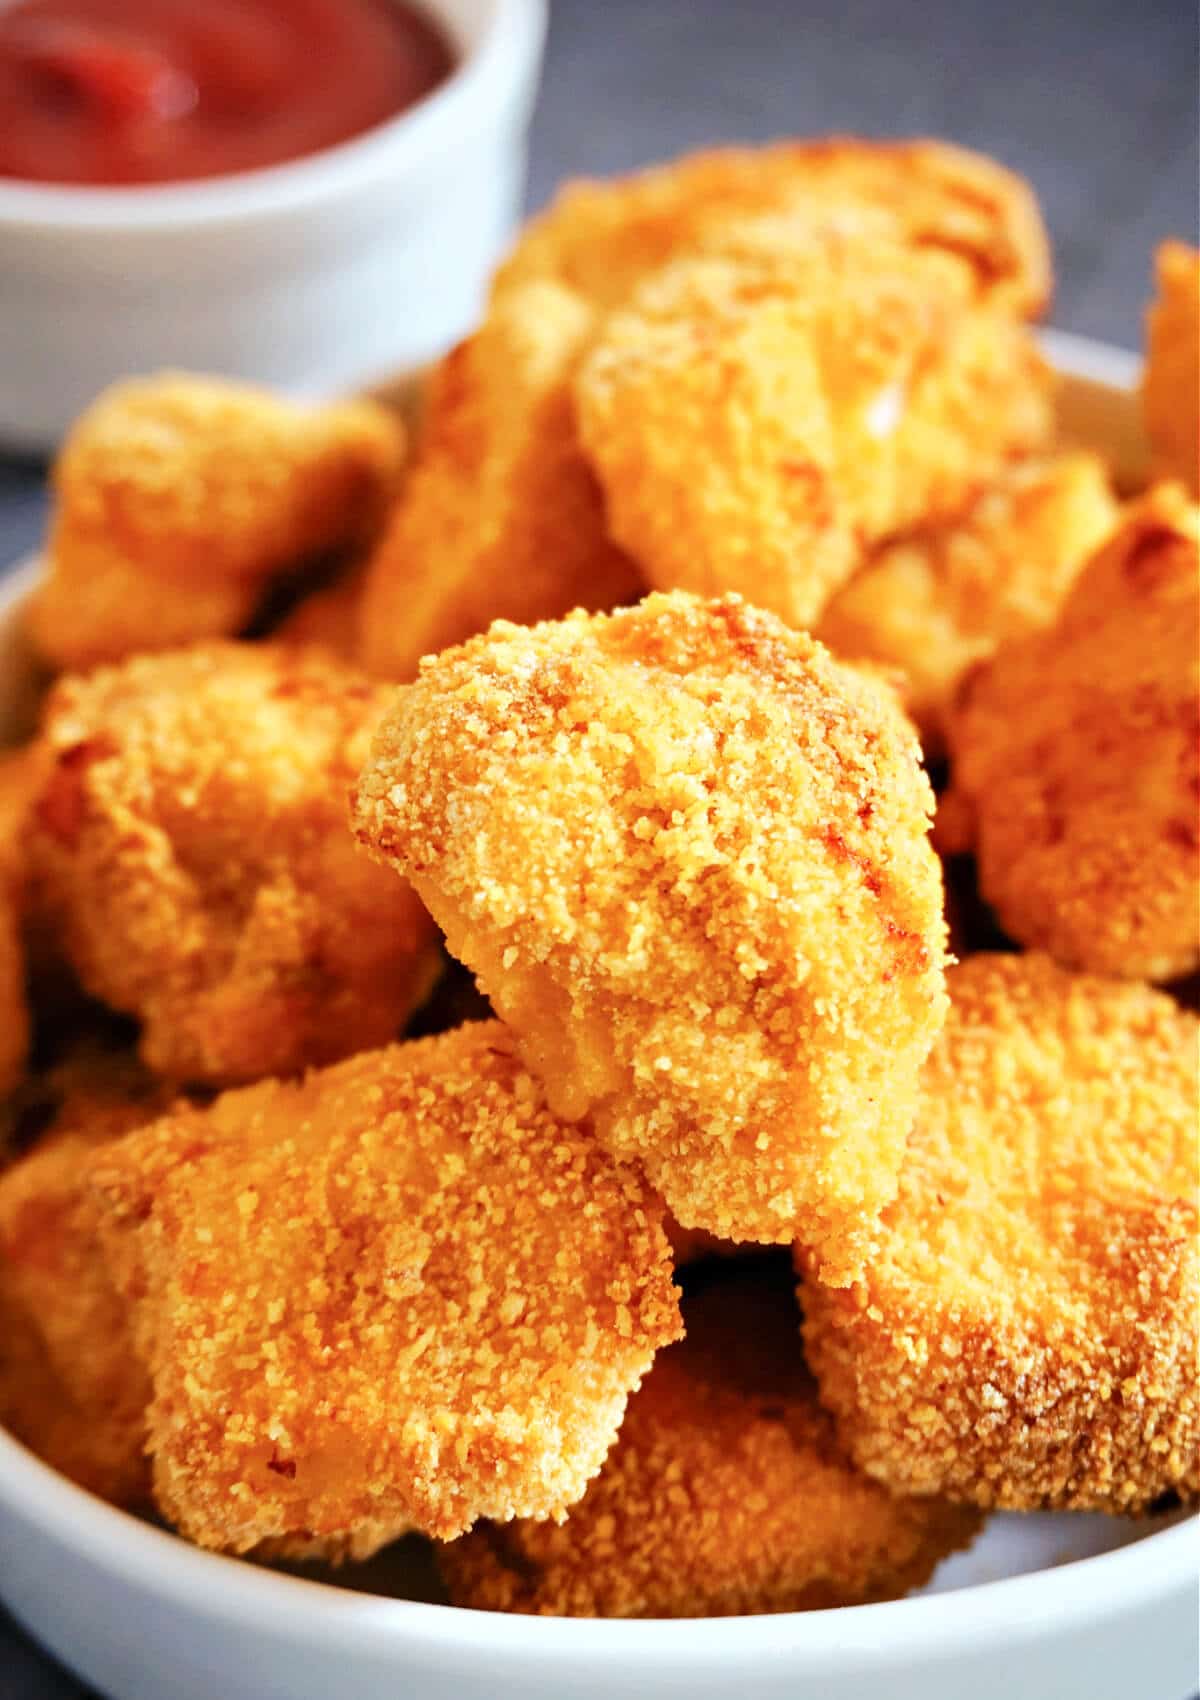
158 91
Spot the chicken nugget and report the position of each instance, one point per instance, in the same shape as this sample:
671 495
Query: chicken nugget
397 1293
602 238
726 1494
935 602
1075 760
500 516
179 499
757 416
503 516
192 844
686 854
72 1387
1171 378
1025 1335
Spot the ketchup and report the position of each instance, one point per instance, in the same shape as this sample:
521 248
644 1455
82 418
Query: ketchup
155 91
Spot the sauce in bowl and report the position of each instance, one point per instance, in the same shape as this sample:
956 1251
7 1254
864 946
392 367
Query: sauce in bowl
122 92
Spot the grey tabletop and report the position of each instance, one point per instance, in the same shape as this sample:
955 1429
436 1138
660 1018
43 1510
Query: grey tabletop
1094 100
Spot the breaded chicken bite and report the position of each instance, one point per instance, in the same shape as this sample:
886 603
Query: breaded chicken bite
1075 760
72 1387
180 498
935 602
601 238
398 1293
1025 1335
1171 379
500 517
686 854
192 844
757 416
726 1494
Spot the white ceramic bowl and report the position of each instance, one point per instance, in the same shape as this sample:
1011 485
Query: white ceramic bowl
1042 1607
317 275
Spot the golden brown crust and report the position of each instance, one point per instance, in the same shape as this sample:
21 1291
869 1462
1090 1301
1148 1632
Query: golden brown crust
192 843
500 517
940 599
686 855
71 1385
1026 1334
397 1293
763 408
180 497
602 238
1075 759
1171 379
725 1494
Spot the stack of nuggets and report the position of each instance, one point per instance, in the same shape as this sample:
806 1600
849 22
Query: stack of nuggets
304 1284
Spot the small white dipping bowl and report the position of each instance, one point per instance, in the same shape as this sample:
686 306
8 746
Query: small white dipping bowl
318 275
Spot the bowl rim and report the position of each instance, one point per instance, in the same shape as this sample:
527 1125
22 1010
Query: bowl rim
243 1595
1045 1602
492 68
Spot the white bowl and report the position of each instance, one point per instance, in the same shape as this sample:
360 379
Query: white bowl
317 275
1062 1607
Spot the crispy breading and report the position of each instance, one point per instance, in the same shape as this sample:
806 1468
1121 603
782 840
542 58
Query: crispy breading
500 517
400 1292
758 414
1075 762
935 602
1026 1334
327 619
686 854
71 1385
601 238
179 498
192 843
725 1494
1171 378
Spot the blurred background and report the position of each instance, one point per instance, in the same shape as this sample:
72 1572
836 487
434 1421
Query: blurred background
1094 100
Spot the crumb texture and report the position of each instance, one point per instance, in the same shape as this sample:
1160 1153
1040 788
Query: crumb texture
400 1293
1026 1334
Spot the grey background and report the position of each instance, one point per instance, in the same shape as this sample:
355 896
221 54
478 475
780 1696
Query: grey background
1094 100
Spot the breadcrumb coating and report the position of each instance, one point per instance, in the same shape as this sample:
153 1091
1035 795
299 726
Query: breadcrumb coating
686 854
935 602
1171 378
1075 759
1026 1333
399 1293
758 414
500 516
726 1494
601 238
192 843
71 1385
178 498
